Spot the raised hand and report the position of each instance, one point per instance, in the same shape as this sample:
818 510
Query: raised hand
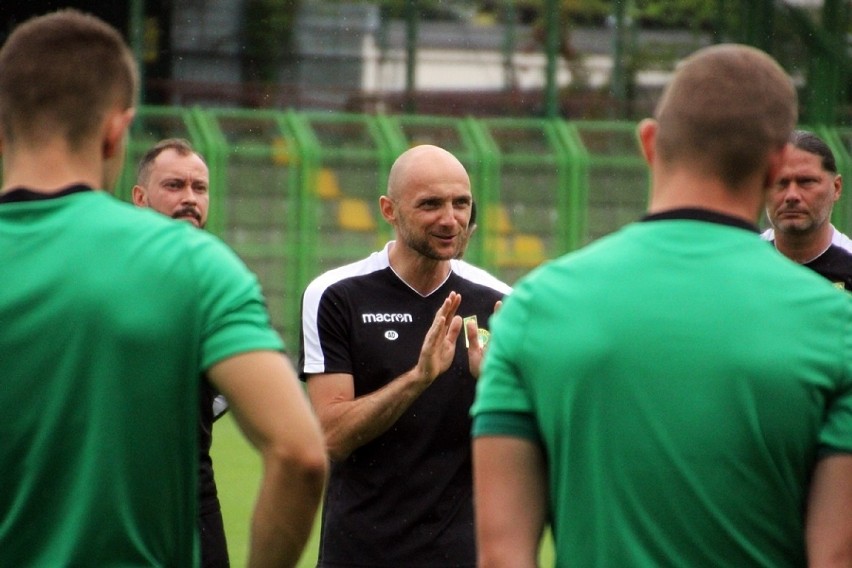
439 346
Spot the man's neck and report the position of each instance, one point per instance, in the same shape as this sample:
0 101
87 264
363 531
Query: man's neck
423 275
682 189
804 247
49 169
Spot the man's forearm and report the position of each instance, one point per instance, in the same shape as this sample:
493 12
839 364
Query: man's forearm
348 425
829 523
349 422
510 497
287 503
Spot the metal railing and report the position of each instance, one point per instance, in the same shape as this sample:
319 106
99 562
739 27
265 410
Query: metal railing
296 193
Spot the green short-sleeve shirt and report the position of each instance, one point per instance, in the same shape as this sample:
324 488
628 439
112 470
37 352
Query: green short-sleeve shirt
682 377
109 315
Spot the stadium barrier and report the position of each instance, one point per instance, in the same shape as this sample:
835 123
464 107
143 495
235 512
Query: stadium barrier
296 192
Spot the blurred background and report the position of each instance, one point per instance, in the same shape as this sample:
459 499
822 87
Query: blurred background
571 58
300 107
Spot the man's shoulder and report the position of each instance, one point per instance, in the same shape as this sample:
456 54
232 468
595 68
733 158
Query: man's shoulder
838 253
166 244
179 237
841 240
103 216
835 264
375 262
837 238
479 276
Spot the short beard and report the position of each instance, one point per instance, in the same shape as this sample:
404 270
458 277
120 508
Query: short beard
797 227
422 246
425 250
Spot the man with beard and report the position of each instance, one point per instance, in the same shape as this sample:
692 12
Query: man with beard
394 406
799 207
174 180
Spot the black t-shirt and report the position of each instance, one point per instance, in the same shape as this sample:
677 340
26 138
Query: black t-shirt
834 264
405 498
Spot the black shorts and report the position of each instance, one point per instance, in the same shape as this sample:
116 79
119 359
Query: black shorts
214 548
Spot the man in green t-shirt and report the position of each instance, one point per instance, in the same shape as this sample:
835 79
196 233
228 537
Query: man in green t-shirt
110 315
677 393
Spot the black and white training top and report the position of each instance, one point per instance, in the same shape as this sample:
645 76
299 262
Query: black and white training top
404 498
834 263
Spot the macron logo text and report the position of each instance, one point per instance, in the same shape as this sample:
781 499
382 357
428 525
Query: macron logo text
386 318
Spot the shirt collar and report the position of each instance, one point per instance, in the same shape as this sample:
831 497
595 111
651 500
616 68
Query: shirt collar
20 194
698 214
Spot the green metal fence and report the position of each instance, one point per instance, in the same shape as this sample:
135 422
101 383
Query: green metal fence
618 179
257 196
296 193
537 204
345 161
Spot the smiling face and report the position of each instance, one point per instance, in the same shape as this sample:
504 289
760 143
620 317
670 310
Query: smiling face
801 200
429 202
177 186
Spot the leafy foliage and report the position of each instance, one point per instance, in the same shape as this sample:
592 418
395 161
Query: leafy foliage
676 13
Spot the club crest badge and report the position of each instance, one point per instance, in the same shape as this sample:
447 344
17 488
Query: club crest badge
482 334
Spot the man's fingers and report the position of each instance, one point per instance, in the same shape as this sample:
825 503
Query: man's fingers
446 325
436 331
451 305
454 329
447 311
472 334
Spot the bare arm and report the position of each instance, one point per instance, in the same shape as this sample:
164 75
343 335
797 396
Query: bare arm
829 520
510 498
349 422
271 409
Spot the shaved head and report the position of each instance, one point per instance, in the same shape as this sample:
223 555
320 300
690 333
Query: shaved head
420 164
428 202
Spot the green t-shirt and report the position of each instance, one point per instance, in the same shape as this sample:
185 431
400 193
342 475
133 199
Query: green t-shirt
682 378
109 315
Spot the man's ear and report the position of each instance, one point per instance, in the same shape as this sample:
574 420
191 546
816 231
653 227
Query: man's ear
647 133
140 198
386 206
115 129
838 185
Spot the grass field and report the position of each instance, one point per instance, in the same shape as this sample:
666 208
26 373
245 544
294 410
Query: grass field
237 468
